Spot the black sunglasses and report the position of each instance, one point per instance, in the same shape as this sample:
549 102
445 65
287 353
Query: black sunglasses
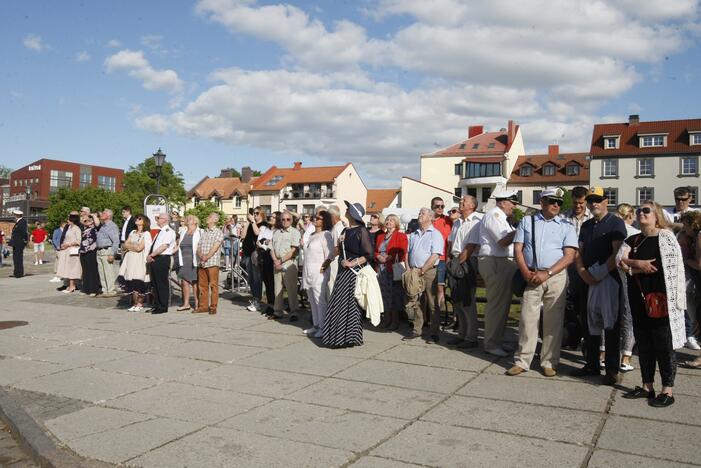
553 201
453 211
438 206
682 199
595 200
644 210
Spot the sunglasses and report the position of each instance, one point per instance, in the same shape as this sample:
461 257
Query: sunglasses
438 206
553 201
682 199
595 199
453 211
256 213
374 216
644 210
286 219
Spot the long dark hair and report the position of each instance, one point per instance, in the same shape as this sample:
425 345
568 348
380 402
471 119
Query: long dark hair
278 220
147 222
327 220
74 219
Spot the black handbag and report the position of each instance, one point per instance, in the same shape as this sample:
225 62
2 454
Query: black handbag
519 283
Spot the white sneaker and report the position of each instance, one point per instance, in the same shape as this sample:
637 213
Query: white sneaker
132 309
36 263
496 352
310 331
41 262
691 343
253 306
55 279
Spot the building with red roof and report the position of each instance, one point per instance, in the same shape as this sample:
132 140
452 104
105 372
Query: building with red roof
229 193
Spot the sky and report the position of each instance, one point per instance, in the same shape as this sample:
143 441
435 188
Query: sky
232 83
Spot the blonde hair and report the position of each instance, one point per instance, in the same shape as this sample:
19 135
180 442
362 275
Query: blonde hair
190 218
395 218
661 221
625 211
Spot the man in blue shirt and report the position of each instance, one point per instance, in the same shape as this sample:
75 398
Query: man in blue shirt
425 249
546 273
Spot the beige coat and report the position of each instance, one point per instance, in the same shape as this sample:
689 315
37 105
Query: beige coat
69 265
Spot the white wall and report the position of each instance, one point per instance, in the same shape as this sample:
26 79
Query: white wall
349 186
440 171
415 195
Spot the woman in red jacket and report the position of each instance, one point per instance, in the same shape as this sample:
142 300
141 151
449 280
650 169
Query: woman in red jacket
391 255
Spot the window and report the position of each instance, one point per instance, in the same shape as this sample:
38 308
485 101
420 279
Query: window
58 179
108 183
486 193
237 201
536 196
689 166
491 145
472 191
611 142
572 169
292 208
609 168
458 169
646 168
308 209
85 176
519 195
475 146
696 139
612 195
693 192
458 192
645 193
462 146
525 171
273 181
267 209
652 140
548 170
483 170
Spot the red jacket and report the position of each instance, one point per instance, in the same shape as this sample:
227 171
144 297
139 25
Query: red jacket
397 248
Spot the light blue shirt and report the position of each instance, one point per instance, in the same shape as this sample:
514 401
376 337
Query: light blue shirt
423 244
551 238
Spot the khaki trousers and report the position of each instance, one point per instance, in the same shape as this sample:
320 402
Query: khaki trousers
288 280
497 273
208 280
107 271
414 304
552 295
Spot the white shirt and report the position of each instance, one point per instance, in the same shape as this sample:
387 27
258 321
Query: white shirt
308 231
265 236
165 236
494 228
463 233
336 232
674 216
124 229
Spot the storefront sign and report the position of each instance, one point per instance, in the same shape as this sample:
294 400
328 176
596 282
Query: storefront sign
35 168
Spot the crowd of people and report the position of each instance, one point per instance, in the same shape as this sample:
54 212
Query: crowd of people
607 281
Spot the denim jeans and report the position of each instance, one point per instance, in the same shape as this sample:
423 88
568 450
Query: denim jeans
253 277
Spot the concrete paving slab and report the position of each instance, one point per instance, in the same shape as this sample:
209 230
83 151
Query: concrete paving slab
545 422
251 380
433 379
281 327
188 403
377 462
686 409
188 331
209 351
651 438
160 367
435 357
608 458
300 358
86 384
78 355
377 336
686 384
368 398
121 444
259 339
573 395
13 371
67 334
320 425
220 447
91 420
17 345
134 342
446 446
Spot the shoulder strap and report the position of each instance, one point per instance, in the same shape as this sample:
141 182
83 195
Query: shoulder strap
535 259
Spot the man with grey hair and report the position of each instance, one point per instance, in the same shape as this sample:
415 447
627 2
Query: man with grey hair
107 248
285 247
426 246
211 239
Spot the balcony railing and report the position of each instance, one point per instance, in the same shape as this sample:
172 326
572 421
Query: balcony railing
308 195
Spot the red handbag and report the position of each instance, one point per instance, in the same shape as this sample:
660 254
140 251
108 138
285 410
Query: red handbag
655 302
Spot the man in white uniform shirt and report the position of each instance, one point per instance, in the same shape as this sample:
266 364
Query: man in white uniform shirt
497 267
159 259
338 228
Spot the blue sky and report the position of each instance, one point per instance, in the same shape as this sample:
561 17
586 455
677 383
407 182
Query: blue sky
219 83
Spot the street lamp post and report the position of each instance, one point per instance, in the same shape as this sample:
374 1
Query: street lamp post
159 158
28 191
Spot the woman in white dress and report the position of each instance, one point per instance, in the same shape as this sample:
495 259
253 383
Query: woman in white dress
133 269
318 252
68 257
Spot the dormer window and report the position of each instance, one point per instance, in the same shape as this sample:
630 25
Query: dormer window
525 171
548 170
611 142
572 169
273 181
695 138
651 141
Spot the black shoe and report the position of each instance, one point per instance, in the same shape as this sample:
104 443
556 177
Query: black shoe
662 400
433 339
454 341
293 318
585 372
467 345
61 288
411 336
159 311
639 392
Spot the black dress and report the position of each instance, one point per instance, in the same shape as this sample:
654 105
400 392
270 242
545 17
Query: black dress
88 262
343 326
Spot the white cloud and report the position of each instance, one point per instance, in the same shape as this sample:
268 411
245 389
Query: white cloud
82 56
113 44
34 42
139 67
152 41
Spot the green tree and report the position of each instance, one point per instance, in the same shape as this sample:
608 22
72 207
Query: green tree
566 200
66 200
204 209
138 183
5 172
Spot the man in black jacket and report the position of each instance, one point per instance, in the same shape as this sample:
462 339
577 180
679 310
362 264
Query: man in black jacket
18 241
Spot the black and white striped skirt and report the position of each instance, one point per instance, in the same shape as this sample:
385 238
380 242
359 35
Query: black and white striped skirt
343 326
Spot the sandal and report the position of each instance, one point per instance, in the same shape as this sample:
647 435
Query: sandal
695 364
183 308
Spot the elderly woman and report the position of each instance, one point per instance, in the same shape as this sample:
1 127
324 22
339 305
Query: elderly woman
88 256
319 251
377 227
187 259
391 256
343 326
657 299
132 271
68 257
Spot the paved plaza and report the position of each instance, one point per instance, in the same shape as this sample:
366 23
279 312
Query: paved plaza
113 387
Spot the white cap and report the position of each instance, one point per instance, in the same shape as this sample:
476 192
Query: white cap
17 212
552 192
506 194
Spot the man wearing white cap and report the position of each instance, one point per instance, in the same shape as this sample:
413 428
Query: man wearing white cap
545 271
18 240
497 267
